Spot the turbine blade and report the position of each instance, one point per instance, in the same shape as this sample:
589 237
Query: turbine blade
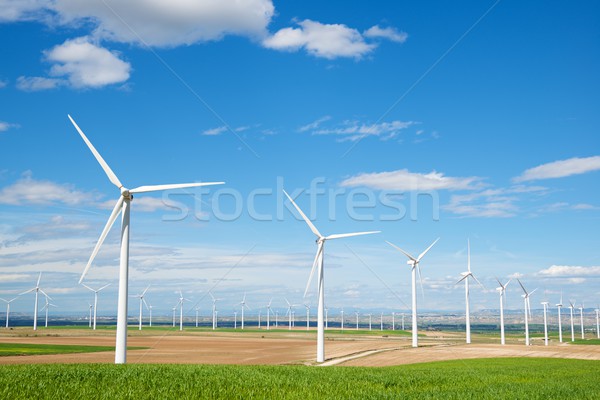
522 287
427 249
507 283
499 283
111 220
39 279
27 291
344 235
145 290
45 294
462 279
420 281
312 271
402 251
104 287
477 280
533 291
304 217
155 188
109 172
86 286
146 304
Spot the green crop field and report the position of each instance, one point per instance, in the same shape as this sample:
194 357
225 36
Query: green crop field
24 349
524 378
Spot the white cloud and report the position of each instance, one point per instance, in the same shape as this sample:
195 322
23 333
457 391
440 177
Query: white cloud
386 33
38 192
3 84
86 65
22 10
167 24
321 40
408 181
569 271
560 169
215 131
4 126
315 124
36 83
354 130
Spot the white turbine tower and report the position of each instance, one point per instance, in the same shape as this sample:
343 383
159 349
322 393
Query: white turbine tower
559 307
393 320
342 319
526 296
214 311
465 277
269 314
370 320
581 316
597 321
142 302
356 312
571 307
46 307
289 313
545 304
174 310
8 308
307 316
502 290
197 311
318 264
180 304
123 205
414 264
90 316
150 315
95 299
37 289
244 305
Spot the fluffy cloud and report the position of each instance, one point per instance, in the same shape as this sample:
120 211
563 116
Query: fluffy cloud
405 180
38 192
215 131
36 83
4 126
321 40
560 169
314 125
569 271
355 130
386 33
492 203
22 10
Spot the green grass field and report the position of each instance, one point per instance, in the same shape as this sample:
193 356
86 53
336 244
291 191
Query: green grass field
523 378
24 349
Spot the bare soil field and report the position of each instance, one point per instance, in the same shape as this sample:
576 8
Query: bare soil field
273 348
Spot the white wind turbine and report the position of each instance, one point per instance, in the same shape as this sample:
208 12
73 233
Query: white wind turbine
502 290
90 316
465 277
180 304
559 306
197 311
381 322
581 316
571 307
526 296
235 320
370 320
174 310
37 289
244 305
307 316
150 315
393 320
356 312
46 307
289 313
414 264
142 302
214 311
8 308
318 264
342 319
597 321
95 298
123 205
545 304
269 314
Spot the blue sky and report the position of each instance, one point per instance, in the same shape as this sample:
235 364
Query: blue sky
419 119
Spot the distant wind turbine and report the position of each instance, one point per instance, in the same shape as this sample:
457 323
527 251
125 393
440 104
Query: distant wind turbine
8 308
465 277
180 304
95 299
545 304
150 315
90 316
356 312
318 264
123 205
370 320
289 313
269 314
197 311
581 316
526 296
414 264
559 306
502 290
571 307
46 307
142 302
342 319
597 321
244 305
214 310
381 322
37 289
174 310
307 316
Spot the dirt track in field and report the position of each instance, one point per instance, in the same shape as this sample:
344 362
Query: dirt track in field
275 348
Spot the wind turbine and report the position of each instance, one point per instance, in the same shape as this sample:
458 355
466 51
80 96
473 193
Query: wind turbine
235 320
197 310
597 321
180 304
465 277
526 296
142 302
356 312
559 306
95 298
244 305
123 205
269 314
545 304
214 311
381 322
414 264
370 320
289 313
37 289
581 316
318 263
342 319
90 316
174 310
571 307
46 307
502 290
150 312
393 320
8 308
307 316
